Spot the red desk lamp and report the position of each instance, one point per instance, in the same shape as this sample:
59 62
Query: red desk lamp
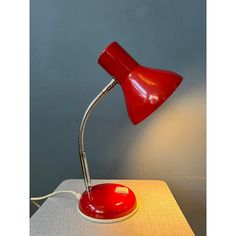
145 89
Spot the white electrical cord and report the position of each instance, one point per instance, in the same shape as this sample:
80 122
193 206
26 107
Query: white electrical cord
34 199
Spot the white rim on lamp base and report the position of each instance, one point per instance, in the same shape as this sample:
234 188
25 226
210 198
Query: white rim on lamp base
107 221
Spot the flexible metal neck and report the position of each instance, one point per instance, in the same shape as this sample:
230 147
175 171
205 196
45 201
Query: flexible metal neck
82 154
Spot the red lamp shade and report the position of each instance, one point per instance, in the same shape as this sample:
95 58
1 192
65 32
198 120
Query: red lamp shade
145 89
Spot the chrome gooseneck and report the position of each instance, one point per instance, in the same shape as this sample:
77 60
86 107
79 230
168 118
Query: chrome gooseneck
81 148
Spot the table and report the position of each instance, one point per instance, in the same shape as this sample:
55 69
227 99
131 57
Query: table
158 213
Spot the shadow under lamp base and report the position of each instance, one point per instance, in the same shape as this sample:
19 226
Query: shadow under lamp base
107 203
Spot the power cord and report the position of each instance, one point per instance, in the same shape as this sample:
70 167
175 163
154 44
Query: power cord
34 199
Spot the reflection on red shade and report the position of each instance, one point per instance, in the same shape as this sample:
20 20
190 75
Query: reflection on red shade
145 89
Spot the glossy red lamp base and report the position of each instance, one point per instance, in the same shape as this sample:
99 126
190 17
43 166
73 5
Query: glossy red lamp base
107 203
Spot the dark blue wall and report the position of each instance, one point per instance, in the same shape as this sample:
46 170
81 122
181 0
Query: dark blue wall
66 40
